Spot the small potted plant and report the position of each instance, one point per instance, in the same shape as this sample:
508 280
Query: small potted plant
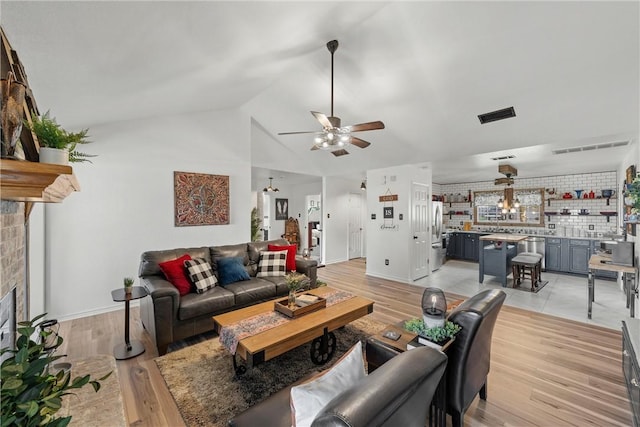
294 281
128 285
56 144
438 334
32 392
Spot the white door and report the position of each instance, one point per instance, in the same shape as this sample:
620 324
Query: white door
355 226
266 220
421 208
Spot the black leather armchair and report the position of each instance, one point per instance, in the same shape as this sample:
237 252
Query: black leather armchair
469 355
394 395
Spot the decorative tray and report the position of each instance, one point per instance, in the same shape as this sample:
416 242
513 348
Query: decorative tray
301 308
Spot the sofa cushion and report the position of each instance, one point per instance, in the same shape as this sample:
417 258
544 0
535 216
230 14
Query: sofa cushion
201 274
231 270
210 302
252 291
280 283
291 254
150 260
176 273
308 399
254 248
229 251
272 264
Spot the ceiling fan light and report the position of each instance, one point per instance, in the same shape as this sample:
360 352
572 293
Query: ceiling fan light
504 211
512 210
330 136
345 138
317 139
500 203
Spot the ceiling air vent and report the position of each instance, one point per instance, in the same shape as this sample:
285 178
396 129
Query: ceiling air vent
493 116
591 147
510 156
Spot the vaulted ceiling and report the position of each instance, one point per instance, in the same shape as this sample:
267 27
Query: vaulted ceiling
427 69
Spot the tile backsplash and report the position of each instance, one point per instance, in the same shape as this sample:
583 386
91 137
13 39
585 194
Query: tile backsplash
592 225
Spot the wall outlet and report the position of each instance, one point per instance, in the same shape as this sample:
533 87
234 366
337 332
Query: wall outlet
386 262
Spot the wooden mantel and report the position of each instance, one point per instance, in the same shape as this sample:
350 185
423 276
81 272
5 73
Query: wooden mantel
25 181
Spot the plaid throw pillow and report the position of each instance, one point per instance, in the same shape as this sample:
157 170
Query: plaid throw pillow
201 274
272 264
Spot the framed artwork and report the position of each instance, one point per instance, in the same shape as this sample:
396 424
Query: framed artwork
282 209
200 199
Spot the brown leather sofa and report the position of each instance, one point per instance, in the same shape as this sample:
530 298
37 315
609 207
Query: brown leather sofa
169 317
396 394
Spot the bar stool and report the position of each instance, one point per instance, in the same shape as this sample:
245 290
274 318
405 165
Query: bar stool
526 263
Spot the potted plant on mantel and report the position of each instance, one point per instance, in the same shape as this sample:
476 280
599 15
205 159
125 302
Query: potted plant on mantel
57 145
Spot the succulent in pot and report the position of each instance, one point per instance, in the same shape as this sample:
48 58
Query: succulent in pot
128 284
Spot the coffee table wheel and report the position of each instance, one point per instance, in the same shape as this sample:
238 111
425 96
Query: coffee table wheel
239 369
323 348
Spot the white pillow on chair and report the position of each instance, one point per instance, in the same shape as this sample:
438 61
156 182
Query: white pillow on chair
308 399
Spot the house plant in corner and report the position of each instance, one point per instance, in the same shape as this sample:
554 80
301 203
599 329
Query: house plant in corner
31 392
56 144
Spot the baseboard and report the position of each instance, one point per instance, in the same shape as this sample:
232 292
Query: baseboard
395 279
79 315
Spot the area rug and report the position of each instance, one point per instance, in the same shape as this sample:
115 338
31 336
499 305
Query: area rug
526 286
207 392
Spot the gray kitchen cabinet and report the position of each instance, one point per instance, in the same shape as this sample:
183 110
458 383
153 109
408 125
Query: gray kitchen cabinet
553 251
470 247
579 254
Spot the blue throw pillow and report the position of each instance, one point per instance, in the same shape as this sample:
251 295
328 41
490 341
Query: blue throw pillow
231 270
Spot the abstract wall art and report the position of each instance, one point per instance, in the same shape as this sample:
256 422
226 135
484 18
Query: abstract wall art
200 199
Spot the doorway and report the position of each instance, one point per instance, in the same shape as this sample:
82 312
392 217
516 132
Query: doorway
355 226
421 209
313 226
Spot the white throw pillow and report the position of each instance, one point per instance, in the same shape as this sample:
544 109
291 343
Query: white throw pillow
308 399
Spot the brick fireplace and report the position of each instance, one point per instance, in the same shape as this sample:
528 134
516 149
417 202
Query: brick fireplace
12 255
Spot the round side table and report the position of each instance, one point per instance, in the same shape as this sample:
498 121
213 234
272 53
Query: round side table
130 348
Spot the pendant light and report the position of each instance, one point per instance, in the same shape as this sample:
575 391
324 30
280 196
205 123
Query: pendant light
270 187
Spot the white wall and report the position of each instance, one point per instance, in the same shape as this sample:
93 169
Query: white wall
96 236
392 244
36 261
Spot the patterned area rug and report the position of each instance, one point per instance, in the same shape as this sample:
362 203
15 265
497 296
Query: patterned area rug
201 380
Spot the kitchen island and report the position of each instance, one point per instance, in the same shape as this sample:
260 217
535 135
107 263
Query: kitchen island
495 259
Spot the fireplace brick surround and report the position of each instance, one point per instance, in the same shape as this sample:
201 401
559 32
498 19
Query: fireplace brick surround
12 254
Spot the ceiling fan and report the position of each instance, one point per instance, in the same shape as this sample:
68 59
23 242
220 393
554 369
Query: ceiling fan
334 137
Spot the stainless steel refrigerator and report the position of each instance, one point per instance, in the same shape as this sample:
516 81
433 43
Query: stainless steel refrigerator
438 252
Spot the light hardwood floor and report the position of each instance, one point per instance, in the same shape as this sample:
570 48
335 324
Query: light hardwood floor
545 371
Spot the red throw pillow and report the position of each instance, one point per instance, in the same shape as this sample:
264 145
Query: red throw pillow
176 273
291 254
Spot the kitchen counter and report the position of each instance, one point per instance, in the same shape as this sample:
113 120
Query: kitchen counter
504 237
497 261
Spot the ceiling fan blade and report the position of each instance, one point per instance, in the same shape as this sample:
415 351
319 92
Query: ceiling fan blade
323 119
314 148
359 142
296 133
340 152
366 126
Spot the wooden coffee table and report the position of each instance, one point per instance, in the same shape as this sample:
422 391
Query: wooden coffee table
316 326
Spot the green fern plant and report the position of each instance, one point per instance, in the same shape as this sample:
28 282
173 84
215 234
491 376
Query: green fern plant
51 134
31 394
